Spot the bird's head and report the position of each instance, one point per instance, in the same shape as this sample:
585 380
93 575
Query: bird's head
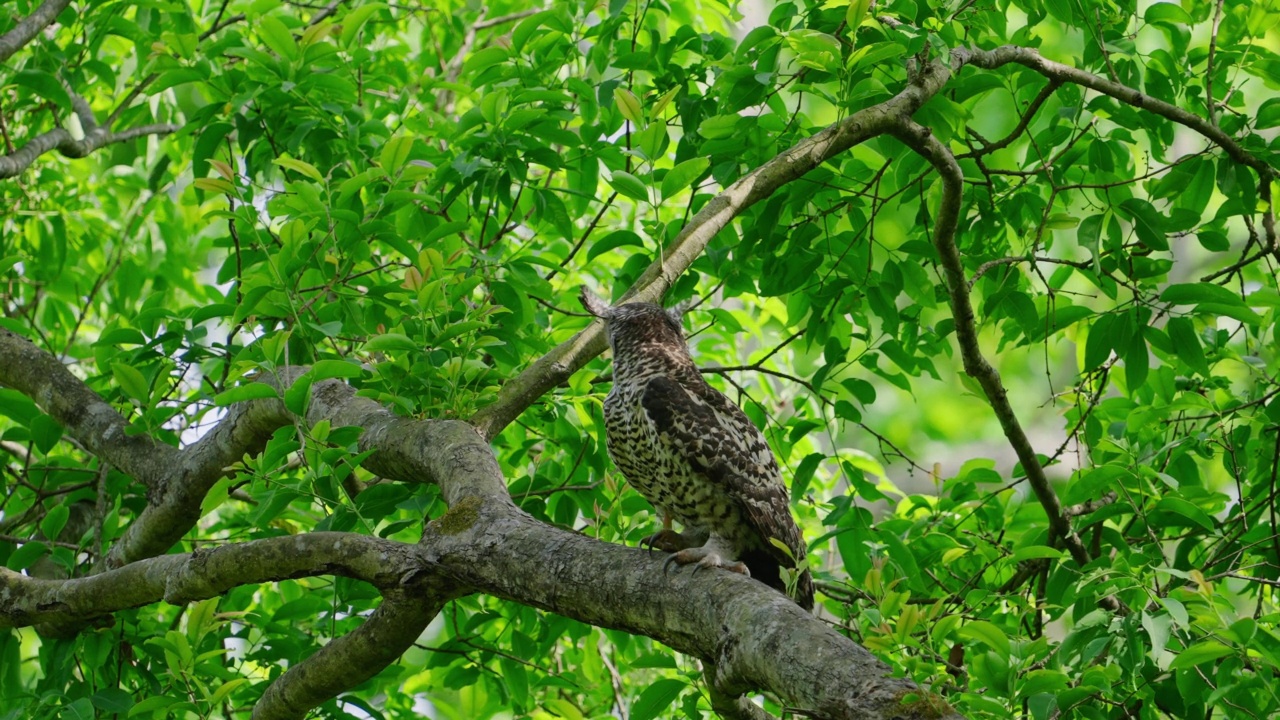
637 323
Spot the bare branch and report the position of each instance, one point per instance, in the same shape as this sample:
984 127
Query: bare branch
921 140
179 579
61 140
85 416
1028 57
29 27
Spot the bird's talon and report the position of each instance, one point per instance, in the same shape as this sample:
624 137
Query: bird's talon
667 565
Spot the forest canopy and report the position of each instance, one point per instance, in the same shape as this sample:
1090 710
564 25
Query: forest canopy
300 415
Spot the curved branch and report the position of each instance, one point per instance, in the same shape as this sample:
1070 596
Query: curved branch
755 637
29 27
921 140
565 359
179 579
353 658
62 140
85 416
1030 58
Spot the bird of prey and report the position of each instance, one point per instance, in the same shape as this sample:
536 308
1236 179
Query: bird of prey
694 454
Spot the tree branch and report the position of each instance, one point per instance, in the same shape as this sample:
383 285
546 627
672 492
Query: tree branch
565 359
921 140
179 579
61 140
29 27
353 658
1030 58
85 416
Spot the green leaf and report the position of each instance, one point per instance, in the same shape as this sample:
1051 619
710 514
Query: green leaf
277 37
1158 629
353 21
1061 10
614 240
45 432
53 523
120 336
241 393
1195 293
45 85
815 49
152 705
718 127
112 700
395 153
23 557
326 369
299 166
1184 509
804 474
131 381
225 690
392 342
1146 223
682 176
173 78
1268 114
1187 345
628 105
80 709
1036 552
987 633
1167 12
629 185
1201 652
656 698
459 329
855 13
1098 346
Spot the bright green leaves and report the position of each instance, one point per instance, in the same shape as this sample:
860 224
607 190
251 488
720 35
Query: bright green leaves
44 85
1210 299
629 185
275 35
656 698
628 105
816 50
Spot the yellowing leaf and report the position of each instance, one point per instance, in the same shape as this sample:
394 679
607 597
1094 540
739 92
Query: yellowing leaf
299 166
628 105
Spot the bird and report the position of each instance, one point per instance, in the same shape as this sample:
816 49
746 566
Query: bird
694 454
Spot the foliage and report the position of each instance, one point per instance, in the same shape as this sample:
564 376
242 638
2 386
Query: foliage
410 196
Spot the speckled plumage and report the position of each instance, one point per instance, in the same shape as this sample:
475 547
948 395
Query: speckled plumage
691 452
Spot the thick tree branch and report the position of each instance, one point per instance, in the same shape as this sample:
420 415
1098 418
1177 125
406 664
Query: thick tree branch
174 507
29 27
565 359
756 638
179 579
85 416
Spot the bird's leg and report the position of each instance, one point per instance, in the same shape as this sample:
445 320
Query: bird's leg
713 554
666 539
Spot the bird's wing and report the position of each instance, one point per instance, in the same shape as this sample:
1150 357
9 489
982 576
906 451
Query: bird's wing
704 428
